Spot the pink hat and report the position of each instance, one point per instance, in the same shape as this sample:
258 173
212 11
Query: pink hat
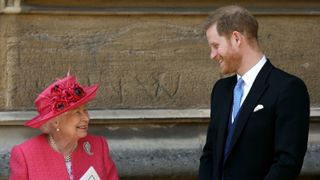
61 96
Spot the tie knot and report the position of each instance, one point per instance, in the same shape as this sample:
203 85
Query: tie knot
239 83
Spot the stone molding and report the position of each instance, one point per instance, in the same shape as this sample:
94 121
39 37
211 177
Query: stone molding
123 115
10 6
201 8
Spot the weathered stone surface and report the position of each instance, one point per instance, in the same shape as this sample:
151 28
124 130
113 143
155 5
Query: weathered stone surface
2 64
291 44
141 61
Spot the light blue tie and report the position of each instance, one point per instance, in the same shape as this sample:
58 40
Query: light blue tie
237 94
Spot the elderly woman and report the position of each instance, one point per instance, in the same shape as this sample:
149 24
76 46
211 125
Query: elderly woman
64 150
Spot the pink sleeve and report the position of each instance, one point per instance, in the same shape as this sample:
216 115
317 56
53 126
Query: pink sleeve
18 167
110 167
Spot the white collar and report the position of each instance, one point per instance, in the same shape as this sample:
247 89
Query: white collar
251 75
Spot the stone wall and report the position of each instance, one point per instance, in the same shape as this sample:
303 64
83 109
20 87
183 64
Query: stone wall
140 61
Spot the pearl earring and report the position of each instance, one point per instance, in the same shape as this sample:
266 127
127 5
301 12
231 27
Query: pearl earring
57 129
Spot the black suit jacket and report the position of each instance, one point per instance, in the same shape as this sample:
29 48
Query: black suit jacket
267 144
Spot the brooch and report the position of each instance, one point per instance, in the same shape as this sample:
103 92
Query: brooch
87 148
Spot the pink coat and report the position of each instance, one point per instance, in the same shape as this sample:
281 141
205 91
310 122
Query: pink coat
35 160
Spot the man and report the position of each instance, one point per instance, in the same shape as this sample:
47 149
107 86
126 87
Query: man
259 116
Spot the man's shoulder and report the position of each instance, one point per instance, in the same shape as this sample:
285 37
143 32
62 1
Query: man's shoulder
281 76
282 81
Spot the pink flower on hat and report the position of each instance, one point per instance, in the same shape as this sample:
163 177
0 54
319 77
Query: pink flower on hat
62 97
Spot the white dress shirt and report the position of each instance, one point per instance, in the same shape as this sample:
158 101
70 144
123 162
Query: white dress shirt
249 78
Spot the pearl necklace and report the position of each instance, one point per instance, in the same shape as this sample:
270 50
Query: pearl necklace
67 158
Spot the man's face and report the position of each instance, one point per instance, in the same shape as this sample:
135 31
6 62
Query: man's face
224 51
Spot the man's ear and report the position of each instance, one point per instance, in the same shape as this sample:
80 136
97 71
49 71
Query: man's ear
236 37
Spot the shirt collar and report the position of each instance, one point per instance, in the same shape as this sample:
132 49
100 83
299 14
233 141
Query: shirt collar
251 75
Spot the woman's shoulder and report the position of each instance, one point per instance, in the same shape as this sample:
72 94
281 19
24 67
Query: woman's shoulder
33 144
35 140
94 139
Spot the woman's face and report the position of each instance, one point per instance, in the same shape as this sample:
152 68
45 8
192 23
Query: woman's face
74 124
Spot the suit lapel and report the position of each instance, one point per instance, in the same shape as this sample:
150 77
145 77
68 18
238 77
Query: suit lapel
224 116
257 90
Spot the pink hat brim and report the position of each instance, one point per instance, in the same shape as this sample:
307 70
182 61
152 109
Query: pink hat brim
41 119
